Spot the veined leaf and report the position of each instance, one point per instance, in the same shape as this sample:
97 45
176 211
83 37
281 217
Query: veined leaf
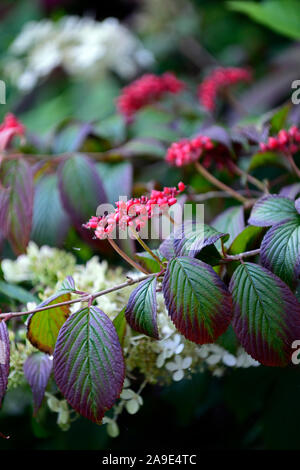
37 370
4 359
190 239
88 363
280 250
266 314
198 302
68 285
81 188
141 310
43 327
17 176
270 210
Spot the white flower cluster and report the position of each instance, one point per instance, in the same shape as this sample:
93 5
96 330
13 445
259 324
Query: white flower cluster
172 358
81 46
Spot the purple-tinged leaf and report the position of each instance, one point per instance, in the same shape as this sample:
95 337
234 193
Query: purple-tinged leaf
290 191
17 176
88 363
81 188
37 370
190 239
43 327
280 250
4 204
266 314
297 205
251 133
141 310
4 359
70 137
167 248
230 221
219 134
198 302
68 285
51 222
271 210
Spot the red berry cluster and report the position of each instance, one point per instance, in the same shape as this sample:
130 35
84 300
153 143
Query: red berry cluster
287 142
135 212
187 151
146 90
8 129
219 79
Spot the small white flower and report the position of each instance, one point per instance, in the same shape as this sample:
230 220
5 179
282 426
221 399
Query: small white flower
229 360
133 401
178 367
82 46
112 427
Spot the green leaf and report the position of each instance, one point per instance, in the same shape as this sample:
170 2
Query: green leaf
230 221
198 302
245 240
280 250
261 159
139 147
190 239
117 179
282 16
279 119
266 314
120 325
50 221
272 209
80 187
43 327
141 310
148 262
17 293
88 363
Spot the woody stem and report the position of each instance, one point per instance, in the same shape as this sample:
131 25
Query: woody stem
219 184
126 257
146 247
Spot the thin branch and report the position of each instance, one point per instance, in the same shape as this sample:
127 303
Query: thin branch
146 247
126 257
200 168
293 165
83 298
240 256
221 194
249 177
